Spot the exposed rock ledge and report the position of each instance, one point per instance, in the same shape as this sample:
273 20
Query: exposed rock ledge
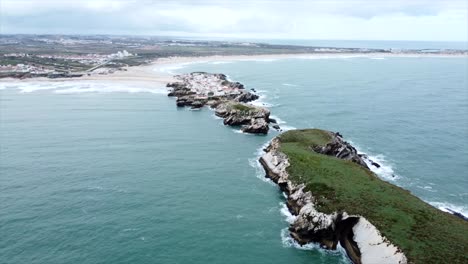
361 240
229 99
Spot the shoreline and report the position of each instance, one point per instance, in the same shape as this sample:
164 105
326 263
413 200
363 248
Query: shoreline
154 73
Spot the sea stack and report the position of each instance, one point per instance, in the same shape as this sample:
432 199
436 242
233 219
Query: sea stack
229 99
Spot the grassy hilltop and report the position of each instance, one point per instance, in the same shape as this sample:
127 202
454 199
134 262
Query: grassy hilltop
424 233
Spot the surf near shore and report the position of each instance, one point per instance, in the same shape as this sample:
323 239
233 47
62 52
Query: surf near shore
161 71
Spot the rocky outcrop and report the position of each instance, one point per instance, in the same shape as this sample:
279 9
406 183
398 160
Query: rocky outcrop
341 149
251 119
198 89
361 240
246 97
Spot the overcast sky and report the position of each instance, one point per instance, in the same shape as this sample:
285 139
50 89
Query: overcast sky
440 20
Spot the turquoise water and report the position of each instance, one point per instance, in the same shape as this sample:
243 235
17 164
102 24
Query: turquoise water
123 176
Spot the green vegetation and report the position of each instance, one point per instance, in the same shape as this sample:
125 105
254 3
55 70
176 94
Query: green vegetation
424 233
243 108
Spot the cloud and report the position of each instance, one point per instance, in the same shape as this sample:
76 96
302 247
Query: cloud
352 19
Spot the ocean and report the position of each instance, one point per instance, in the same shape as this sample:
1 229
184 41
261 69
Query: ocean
365 44
94 172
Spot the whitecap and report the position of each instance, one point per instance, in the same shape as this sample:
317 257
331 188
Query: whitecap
129 229
286 128
30 87
108 89
377 58
290 85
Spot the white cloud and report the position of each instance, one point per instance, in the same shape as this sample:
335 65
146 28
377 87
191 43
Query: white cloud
318 19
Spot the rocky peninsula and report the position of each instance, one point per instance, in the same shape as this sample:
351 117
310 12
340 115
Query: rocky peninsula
230 100
336 199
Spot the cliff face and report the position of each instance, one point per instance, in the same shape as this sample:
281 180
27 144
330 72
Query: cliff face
229 99
361 240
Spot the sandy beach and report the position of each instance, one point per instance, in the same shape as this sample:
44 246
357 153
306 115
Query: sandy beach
157 74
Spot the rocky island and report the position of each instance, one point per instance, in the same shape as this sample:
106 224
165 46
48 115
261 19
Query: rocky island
229 99
336 199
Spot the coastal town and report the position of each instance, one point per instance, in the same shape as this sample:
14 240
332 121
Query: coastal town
61 56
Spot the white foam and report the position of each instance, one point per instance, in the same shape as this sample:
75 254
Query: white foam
288 241
221 62
216 117
261 104
255 163
286 128
444 206
171 69
385 171
290 85
426 188
108 89
31 87
377 58
261 100
78 87
261 60
279 121
129 229
290 218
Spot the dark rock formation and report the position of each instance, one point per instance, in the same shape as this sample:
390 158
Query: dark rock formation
246 97
342 150
256 126
252 119
228 98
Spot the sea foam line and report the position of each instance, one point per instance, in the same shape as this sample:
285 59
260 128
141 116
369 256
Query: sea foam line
451 208
81 87
385 170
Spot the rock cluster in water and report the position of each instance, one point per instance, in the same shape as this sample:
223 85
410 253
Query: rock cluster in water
229 99
361 240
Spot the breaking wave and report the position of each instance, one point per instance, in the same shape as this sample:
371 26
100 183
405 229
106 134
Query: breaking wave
451 208
385 171
255 163
290 85
81 87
